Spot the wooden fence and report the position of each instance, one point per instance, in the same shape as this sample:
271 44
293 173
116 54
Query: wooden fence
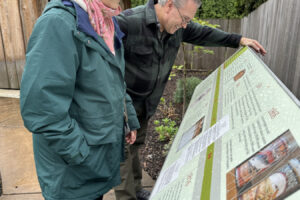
276 24
17 18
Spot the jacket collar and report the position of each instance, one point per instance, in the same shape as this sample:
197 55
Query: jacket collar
83 22
83 25
150 13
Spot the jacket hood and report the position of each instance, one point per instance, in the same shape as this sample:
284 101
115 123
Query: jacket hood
58 4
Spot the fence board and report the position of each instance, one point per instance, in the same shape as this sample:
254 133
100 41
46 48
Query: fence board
13 42
3 71
29 13
296 84
234 26
41 5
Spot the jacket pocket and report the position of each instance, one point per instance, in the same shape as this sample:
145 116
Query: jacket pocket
99 130
95 169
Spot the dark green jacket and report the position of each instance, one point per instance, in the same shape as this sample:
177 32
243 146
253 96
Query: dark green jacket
72 99
149 60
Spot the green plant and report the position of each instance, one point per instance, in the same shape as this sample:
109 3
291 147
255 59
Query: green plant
191 84
166 129
211 9
173 74
179 67
229 9
205 22
167 110
162 100
135 3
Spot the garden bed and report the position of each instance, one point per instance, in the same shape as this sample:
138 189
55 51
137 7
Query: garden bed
152 154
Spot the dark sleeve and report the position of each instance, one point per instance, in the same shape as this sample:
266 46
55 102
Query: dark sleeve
132 117
207 36
122 21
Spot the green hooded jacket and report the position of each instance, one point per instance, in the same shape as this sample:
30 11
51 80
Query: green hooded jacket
72 100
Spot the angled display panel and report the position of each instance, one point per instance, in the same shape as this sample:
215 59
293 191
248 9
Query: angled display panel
239 139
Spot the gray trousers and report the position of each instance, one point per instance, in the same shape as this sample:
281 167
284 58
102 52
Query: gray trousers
130 169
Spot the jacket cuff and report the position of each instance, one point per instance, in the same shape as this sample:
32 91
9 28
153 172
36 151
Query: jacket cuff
235 40
134 124
132 119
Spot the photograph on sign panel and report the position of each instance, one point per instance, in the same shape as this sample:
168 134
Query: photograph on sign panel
254 173
190 134
278 185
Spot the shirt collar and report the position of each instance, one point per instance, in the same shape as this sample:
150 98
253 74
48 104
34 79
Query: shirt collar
150 13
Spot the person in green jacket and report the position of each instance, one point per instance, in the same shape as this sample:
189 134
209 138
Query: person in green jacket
153 34
73 99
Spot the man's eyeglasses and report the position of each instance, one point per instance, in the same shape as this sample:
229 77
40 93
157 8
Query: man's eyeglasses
185 20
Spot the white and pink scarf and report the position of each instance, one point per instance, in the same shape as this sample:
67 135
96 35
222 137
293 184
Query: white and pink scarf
101 19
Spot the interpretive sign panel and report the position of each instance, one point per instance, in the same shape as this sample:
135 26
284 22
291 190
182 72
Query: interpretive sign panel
239 138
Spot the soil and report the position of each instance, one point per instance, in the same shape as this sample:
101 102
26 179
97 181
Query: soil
152 158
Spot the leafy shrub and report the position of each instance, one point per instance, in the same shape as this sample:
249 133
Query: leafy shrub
135 3
229 9
191 84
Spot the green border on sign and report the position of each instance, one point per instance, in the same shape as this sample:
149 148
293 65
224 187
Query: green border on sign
234 56
206 183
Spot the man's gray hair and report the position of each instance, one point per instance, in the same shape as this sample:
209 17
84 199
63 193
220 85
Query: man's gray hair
178 3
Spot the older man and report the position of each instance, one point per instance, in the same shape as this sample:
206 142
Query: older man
154 33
